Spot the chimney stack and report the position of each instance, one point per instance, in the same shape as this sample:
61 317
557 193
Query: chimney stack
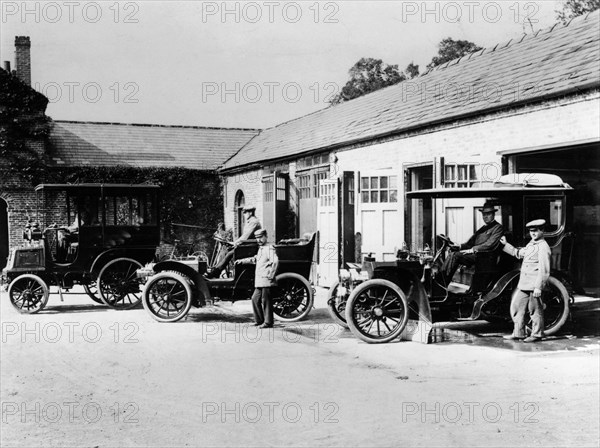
7 66
23 58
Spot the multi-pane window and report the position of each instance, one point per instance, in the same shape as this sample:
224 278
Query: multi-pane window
460 175
304 186
268 189
374 189
317 177
351 190
310 161
327 194
308 182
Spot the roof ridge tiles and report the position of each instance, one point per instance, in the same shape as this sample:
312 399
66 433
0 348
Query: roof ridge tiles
399 108
151 125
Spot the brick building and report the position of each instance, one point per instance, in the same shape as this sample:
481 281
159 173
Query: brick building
531 104
38 150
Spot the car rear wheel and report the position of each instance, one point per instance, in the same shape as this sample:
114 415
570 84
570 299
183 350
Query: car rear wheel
555 300
292 297
377 311
28 293
167 296
337 305
118 284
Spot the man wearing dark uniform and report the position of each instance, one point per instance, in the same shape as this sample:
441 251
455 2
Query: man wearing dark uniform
486 238
251 225
535 271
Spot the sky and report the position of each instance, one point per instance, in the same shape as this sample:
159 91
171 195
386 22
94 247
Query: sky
234 64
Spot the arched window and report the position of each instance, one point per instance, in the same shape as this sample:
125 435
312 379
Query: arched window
240 201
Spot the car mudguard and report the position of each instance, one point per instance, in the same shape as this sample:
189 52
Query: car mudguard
494 293
139 254
411 285
200 289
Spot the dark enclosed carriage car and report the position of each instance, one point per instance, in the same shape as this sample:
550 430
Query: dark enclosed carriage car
95 235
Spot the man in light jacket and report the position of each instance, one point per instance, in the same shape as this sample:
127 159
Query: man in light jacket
264 279
535 271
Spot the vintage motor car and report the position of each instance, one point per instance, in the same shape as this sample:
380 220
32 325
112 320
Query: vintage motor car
106 232
376 299
174 286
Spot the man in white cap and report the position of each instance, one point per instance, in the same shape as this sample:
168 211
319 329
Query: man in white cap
251 225
264 279
535 271
486 238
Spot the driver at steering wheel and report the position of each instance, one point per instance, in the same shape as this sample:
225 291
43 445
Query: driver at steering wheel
485 239
251 225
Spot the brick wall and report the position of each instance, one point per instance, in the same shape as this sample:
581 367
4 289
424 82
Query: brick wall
250 183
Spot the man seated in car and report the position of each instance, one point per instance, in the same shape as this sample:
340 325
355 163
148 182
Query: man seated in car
487 238
251 225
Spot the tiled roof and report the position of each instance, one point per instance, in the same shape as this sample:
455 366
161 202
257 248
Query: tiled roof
549 63
107 144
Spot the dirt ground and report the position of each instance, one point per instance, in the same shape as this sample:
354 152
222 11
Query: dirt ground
78 374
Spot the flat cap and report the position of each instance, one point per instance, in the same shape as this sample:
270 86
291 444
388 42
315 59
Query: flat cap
259 233
540 223
249 208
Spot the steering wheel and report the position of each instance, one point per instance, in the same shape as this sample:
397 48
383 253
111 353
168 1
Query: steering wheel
447 242
445 239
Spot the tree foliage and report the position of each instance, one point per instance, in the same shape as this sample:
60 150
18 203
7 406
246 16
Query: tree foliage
574 8
369 75
412 70
450 49
366 76
22 121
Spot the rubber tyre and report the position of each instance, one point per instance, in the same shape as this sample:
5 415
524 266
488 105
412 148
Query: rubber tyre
35 290
555 299
336 309
356 305
179 281
293 293
108 277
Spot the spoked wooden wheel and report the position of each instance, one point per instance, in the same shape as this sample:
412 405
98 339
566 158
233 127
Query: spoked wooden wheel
28 293
118 284
167 296
92 291
377 311
292 297
337 305
555 300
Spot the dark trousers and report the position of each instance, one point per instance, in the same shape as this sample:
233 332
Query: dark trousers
453 261
262 305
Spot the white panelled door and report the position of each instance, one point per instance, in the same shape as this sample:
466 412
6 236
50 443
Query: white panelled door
461 218
327 223
379 217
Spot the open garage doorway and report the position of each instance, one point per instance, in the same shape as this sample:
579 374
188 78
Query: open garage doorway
579 166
